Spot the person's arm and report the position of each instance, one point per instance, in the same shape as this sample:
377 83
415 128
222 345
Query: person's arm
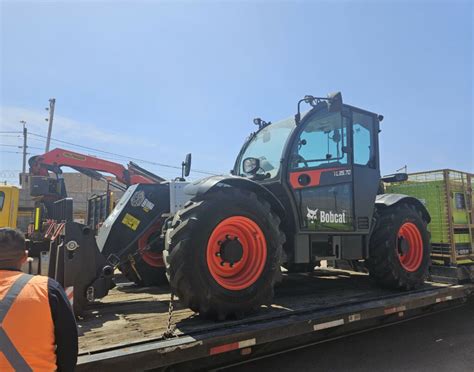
65 329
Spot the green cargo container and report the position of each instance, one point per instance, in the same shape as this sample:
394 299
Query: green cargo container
448 196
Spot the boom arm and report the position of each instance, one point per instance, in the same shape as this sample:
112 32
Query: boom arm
89 165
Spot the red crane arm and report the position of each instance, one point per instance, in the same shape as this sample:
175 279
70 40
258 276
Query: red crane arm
55 159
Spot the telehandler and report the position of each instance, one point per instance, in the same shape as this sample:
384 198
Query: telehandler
303 190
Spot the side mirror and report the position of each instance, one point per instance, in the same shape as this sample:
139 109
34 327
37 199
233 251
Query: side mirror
397 177
186 166
251 165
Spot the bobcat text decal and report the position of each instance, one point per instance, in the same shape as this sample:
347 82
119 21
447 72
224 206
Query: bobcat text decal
314 215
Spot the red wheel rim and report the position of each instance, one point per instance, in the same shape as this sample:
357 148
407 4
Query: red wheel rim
247 269
154 259
412 258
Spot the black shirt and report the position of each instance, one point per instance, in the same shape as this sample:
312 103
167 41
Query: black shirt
65 329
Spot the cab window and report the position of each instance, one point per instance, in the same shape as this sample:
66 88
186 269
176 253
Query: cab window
322 142
2 199
363 129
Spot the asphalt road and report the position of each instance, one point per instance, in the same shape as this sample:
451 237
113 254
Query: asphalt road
439 342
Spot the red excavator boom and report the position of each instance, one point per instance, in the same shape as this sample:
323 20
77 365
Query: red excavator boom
53 160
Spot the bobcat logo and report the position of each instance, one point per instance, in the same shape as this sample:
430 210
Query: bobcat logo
312 214
315 215
137 199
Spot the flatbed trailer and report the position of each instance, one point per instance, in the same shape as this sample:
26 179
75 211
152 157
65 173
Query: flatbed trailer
125 331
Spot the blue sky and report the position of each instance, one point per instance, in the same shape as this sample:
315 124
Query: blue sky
155 80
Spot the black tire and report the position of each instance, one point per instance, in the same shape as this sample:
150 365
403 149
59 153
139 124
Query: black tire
149 275
384 264
186 248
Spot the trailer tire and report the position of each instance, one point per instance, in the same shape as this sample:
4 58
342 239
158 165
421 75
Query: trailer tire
399 247
212 234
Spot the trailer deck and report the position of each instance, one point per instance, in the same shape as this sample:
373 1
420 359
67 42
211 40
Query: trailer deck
125 330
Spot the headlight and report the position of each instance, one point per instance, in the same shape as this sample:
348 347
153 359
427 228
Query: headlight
251 165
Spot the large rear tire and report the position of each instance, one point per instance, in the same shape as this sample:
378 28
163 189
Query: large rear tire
399 248
223 253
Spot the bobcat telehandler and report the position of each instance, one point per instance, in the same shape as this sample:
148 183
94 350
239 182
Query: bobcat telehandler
302 190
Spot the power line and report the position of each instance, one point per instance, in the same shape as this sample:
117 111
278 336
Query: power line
15 152
106 157
122 156
20 147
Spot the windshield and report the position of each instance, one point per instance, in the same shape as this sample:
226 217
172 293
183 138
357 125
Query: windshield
268 145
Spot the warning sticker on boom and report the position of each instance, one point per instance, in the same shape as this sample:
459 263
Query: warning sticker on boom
131 221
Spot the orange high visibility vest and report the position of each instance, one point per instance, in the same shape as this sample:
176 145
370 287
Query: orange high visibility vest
26 325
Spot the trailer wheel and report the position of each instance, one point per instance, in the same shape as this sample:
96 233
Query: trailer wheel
148 268
399 247
223 253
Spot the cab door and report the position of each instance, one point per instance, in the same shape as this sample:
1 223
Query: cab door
366 169
320 173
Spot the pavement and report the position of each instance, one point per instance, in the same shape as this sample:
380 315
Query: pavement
436 343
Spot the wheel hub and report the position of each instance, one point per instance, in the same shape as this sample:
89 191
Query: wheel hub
403 246
410 247
231 250
236 253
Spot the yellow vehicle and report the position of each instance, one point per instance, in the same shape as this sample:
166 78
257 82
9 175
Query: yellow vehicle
9 199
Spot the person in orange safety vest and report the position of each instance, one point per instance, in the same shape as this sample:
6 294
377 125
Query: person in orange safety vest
37 326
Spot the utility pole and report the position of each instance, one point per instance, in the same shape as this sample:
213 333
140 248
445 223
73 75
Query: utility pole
25 134
52 102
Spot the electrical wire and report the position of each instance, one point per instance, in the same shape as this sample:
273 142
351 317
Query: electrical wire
20 147
16 152
123 156
169 172
161 171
